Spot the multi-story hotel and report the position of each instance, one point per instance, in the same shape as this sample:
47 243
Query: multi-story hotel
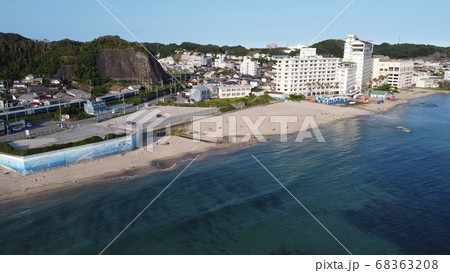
347 78
359 52
308 74
398 73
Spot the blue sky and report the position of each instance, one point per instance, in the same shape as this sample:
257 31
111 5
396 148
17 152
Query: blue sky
231 22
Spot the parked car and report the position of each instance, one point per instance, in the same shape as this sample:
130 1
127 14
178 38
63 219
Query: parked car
29 125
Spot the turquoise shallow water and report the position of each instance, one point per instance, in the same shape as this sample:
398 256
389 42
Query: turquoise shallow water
377 189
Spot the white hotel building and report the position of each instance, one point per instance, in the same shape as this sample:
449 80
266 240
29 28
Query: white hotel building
347 78
359 52
399 72
308 74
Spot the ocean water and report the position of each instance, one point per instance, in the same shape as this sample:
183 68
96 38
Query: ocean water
378 189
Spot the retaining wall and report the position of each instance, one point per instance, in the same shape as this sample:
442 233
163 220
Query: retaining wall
29 164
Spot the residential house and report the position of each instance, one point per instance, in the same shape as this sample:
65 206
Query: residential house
39 100
55 80
63 96
39 90
200 93
25 99
9 103
115 89
30 79
79 94
258 91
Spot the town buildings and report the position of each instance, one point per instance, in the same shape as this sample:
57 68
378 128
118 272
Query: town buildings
222 63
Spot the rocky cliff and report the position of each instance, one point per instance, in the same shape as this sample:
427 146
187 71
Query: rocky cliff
107 56
129 63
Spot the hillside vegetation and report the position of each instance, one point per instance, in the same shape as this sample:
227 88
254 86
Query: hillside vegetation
20 56
398 51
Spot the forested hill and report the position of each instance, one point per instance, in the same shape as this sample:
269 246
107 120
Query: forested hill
20 56
397 51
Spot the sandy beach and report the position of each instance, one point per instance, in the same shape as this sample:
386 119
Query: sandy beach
163 157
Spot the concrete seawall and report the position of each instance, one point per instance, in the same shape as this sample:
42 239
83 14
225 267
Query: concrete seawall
29 164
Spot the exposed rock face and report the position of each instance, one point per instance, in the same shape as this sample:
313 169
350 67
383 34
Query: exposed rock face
66 71
128 63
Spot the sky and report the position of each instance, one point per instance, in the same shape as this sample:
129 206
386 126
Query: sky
249 23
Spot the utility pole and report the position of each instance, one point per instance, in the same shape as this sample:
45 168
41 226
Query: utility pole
60 113
156 94
6 109
123 100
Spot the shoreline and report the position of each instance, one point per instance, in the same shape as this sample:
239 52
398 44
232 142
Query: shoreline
140 162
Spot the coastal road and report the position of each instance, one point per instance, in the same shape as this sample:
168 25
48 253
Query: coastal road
47 126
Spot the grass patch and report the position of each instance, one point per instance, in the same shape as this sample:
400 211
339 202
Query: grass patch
135 100
8 149
225 105
32 117
180 131
75 113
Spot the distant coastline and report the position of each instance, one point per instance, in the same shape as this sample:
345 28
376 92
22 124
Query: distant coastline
141 162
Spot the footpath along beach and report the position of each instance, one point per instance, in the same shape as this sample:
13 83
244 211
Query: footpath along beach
163 157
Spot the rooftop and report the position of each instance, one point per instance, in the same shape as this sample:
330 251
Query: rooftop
378 92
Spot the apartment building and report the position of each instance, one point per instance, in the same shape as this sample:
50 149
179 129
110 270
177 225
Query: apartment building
308 74
249 67
398 73
234 91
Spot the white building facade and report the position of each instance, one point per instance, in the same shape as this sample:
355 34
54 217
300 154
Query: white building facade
308 74
249 67
398 73
347 78
359 52
222 63
447 75
234 91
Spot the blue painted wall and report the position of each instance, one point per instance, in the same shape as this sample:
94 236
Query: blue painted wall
28 164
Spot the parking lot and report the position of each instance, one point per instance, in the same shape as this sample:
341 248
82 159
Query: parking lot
148 116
